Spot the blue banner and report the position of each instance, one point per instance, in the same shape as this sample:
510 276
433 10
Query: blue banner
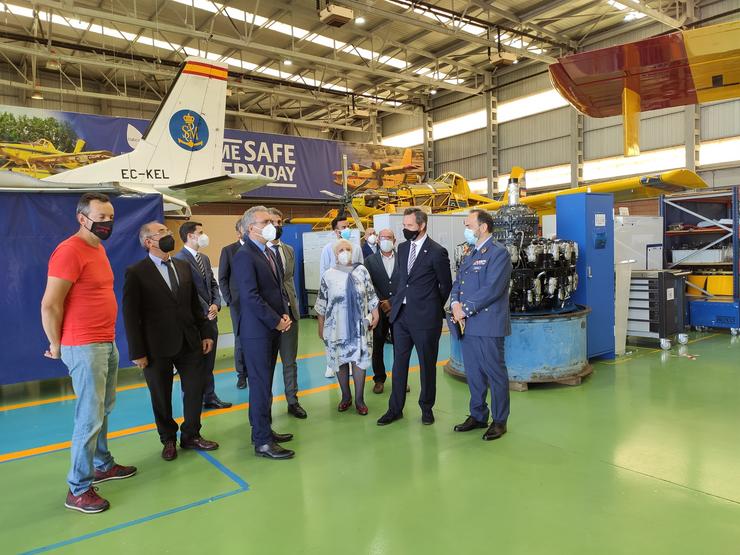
37 142
32 225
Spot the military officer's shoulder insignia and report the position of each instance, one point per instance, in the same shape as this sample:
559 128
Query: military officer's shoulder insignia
484 250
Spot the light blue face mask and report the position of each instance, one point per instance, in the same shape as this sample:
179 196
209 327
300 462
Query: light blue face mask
470 236
346 233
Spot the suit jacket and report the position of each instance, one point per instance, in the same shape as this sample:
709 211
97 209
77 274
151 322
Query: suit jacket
482 288
288 281
426 288
368 251
207 287
384 286
260 294
158 323
227 278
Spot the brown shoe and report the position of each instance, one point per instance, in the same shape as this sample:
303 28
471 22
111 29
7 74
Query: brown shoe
88 502
199 444
169 453
378 387
115 472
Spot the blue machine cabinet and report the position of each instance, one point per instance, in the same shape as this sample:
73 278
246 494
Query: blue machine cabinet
587 219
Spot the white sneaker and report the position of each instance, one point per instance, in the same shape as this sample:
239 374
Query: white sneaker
329 372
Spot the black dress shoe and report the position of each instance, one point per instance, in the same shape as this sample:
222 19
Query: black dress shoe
470 424
198 443
389 417
273 451
494 431
216 403
297 410
241 383
427 417
281 438
169 452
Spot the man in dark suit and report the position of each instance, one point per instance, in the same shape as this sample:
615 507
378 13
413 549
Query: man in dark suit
166 327
370 243
230 294
417 310
285 258
383 268
265 315
194 238
480 298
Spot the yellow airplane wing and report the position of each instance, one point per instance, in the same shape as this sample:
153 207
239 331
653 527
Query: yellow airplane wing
629 188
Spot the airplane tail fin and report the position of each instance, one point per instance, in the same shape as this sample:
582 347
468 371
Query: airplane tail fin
184 141
79 145
407 157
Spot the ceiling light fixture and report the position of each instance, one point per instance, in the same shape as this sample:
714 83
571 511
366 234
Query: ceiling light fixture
433 91
288 62
37 94
360 20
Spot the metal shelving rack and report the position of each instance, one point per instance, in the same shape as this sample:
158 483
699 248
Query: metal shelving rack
705 310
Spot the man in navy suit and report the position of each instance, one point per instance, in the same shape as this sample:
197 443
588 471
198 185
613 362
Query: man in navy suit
265 315
230 294
480 299
370 244
195 239
417 311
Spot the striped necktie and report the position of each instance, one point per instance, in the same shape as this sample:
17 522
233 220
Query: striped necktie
412 258
202 266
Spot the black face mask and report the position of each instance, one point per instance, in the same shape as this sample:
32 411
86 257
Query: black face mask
101 230
411 235
167 243
278 231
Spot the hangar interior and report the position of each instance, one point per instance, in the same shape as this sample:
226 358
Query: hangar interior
623 369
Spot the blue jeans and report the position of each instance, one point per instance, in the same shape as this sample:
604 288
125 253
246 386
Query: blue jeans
94 372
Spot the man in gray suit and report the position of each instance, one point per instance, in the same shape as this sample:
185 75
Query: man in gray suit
230 293
192 235
285 257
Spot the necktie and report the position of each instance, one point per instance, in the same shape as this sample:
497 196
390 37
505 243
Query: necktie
271 261
279 260
412 258
173 277
201 266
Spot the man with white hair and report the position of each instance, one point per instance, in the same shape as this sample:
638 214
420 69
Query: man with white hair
264 317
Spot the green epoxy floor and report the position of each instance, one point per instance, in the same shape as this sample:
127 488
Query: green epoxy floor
643 457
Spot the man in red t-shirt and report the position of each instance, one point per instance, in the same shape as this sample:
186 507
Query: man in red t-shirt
78 313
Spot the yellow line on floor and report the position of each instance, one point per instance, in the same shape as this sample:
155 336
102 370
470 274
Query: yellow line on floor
148 427
71 397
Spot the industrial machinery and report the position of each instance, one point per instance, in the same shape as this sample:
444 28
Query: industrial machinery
544 275
548 330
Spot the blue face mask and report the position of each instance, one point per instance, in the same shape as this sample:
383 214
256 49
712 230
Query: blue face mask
346 233
470 236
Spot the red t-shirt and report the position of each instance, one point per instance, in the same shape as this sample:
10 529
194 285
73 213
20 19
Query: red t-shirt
90 307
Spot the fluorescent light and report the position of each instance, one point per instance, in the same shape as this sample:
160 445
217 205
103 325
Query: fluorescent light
404 140
479 186
287 62
647 162
360 20
720 151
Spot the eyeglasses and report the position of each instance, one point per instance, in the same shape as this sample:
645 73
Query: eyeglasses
162 233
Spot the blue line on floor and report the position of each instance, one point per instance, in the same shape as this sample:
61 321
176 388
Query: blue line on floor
227 471
243 486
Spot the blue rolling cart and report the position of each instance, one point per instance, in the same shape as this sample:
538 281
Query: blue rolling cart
701 235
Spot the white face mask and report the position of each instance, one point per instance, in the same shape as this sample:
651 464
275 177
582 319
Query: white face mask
269 232
372 239
343 258
203 241
386 245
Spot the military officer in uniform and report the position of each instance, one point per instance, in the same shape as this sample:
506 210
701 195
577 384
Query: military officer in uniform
480 303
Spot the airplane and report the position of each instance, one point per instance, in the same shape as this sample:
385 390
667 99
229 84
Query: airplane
678 69
455 200
179 156
43 158
380 174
